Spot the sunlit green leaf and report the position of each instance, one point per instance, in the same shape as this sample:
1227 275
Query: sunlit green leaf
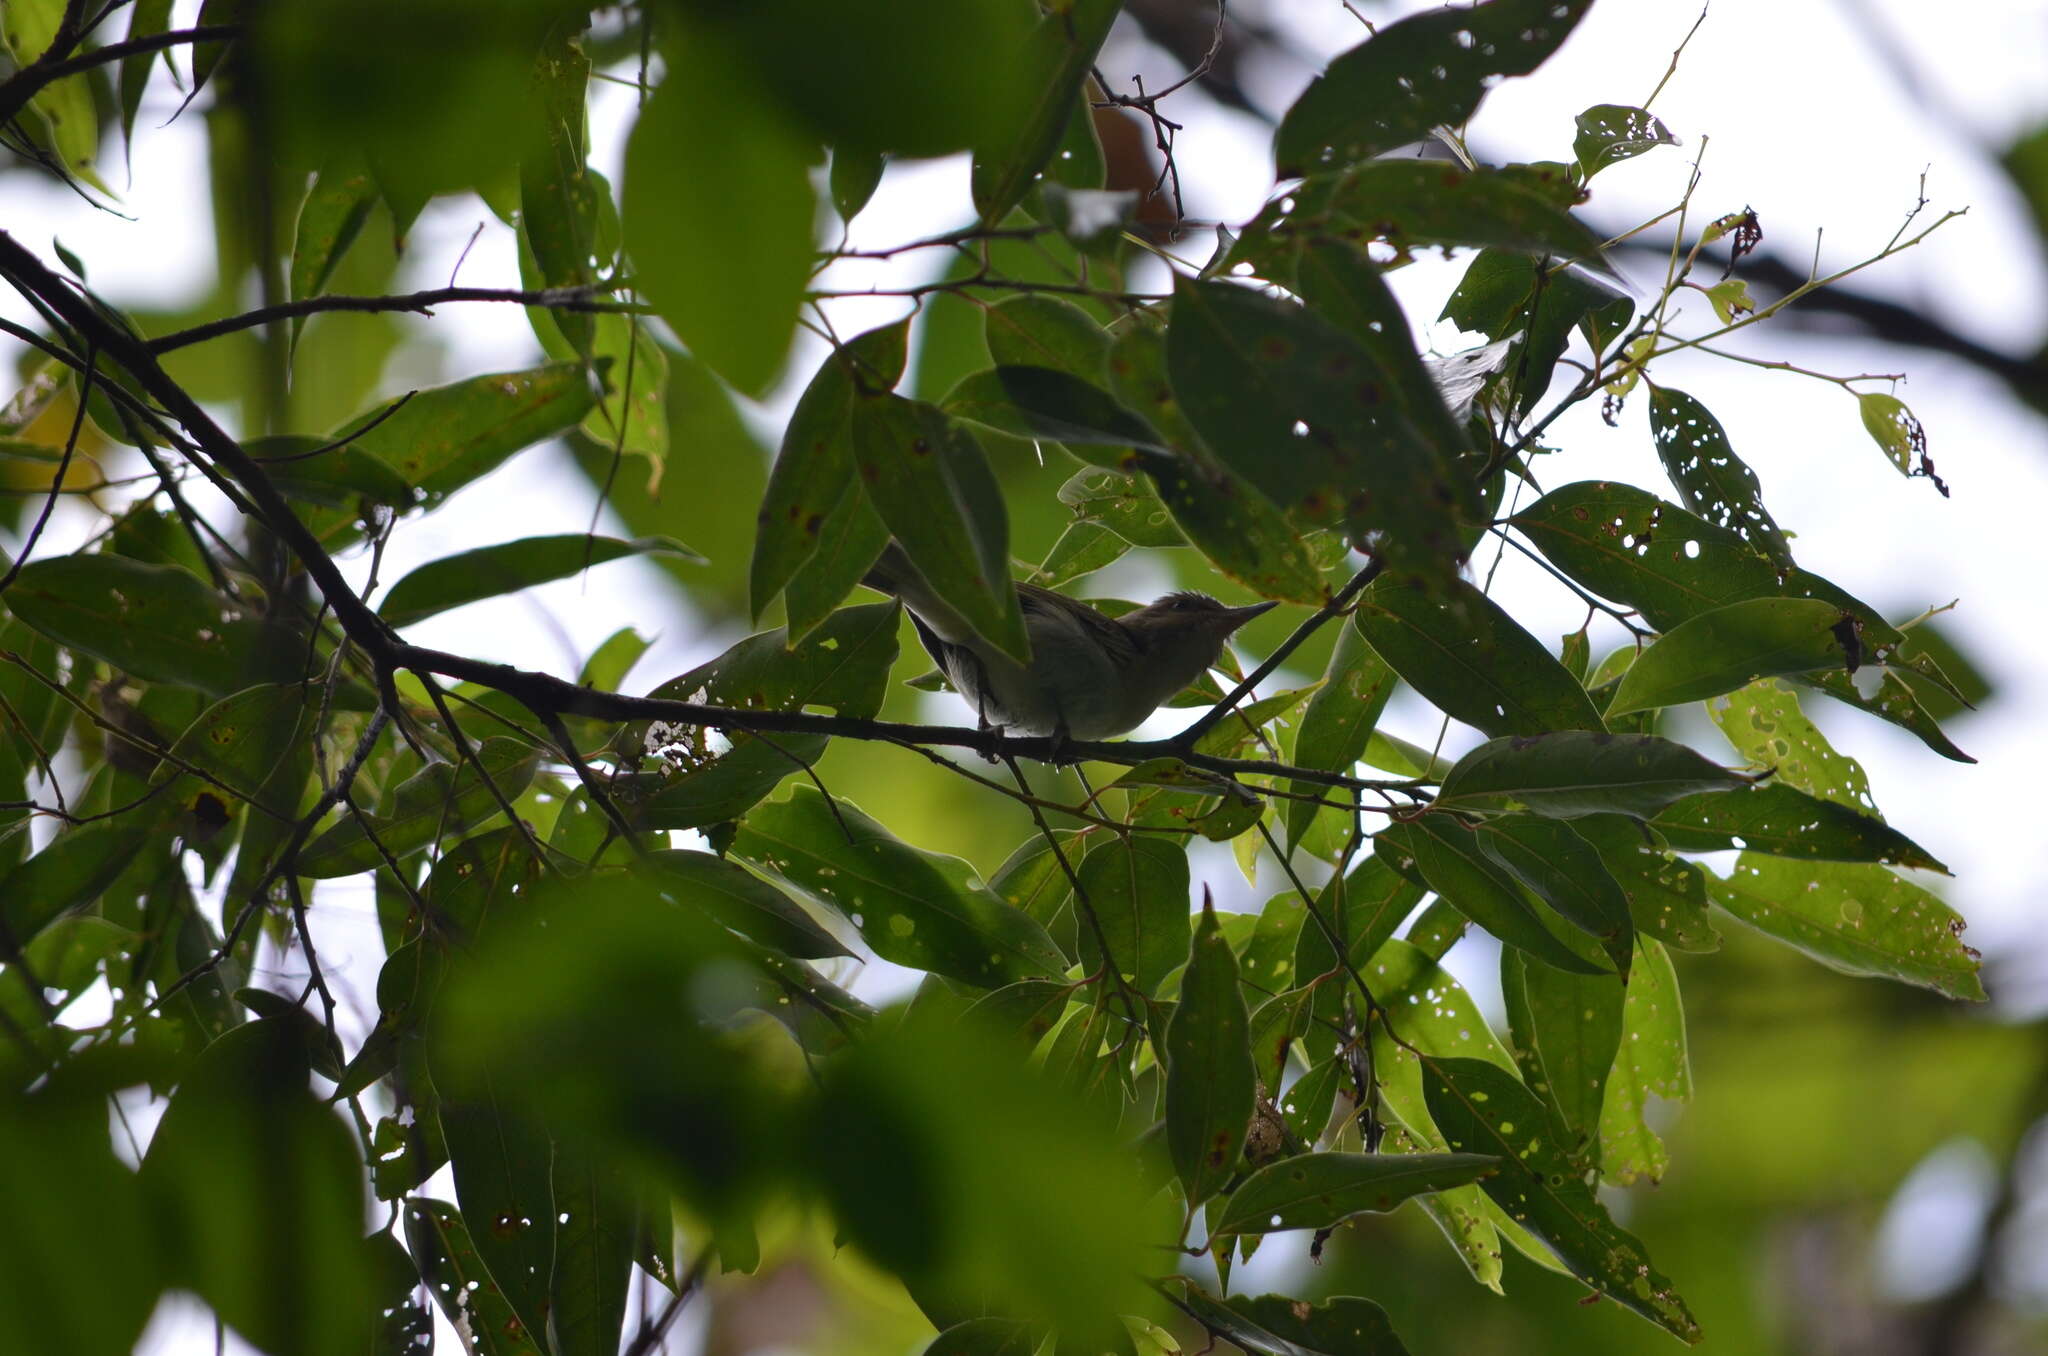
1566 1031
1650 1060
1339 718
1861 920
442 439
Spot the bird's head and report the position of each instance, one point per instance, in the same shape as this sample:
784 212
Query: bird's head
1180 635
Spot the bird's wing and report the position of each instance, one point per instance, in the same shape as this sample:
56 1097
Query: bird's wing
1113 637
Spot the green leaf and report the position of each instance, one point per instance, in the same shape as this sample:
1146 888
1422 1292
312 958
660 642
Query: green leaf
1567 1029
243 1133
69 873
1125 505
1305 413
913 908
156 622
96 1270
986 1337
1562 776
1138 889
66 105
1860 920
558 207
842 665
1725 648
594 1251
1777 818
1710 479
1426 71
855 176
812 488
438 801
1482 1110
1765 724
742 199
1052 63
1650 1060
1504 294
1611 133
442 439
1626 544
1896 432
491 571
1339 719
1449 857
460 1281
1667 897
1047 402
1363 909
1209 1078
1565 872
330 219
148 18
1049 332
502 1161
242 742
1280 1325
930 481
1412 204
1235 527
1317 1191
741 901
1463 652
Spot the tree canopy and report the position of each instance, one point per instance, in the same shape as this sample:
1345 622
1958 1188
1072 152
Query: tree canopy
633 1024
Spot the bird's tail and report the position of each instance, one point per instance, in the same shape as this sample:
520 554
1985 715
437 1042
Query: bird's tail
893 574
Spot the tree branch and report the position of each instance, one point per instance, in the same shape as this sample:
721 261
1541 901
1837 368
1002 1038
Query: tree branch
39 74
418 303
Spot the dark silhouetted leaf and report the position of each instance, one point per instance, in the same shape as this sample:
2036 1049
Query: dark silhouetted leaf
1611 133
1462 651
1781 820
1208 1067
1449 858
1316 1191
744 902
1565 872
1562 776
1426 71
1710 479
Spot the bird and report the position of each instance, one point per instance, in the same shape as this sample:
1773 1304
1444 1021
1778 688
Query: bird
1090 675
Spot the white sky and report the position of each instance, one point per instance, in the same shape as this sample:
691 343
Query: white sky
1806 125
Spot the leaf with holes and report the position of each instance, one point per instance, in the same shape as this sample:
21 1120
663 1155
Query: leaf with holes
1649 1061
1413 204
843 665
1126 505
1482 1110
1781 820
1726 648
1667 896
1426 71
1861 920
1710 479
1317 1191
1768 729
1567 1029
1611 133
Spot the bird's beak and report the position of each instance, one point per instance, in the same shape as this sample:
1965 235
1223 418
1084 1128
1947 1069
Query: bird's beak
1240 615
